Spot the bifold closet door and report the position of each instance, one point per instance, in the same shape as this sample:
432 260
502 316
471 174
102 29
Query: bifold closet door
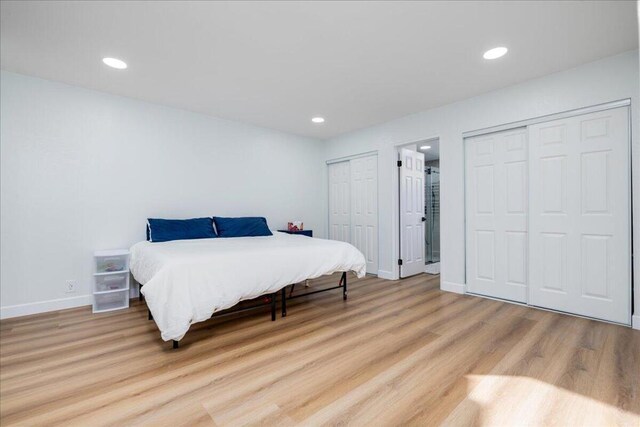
340 201
580 233
364 209
496 214
353 206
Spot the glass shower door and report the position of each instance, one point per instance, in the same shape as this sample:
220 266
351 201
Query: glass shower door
432 214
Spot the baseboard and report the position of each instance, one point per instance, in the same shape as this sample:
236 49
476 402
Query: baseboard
44 306
635 321
457 288
388 275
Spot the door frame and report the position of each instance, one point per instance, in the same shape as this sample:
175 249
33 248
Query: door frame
549 117
355 156
541 119
328 187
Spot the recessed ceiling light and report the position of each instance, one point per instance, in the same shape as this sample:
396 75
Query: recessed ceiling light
115 63
425 147
318 120
495 53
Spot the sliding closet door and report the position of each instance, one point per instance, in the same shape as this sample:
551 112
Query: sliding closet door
580 215
364 209
496 214
340 201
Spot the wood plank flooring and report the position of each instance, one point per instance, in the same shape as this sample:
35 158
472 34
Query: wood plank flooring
395 353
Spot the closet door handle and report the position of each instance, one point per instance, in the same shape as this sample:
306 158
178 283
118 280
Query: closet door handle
424 219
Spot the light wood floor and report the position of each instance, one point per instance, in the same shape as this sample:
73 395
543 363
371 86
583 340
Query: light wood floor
396 353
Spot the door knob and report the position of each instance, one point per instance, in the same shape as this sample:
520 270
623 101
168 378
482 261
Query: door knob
424 219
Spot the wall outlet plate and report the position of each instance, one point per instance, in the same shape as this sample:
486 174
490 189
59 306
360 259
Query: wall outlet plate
71 286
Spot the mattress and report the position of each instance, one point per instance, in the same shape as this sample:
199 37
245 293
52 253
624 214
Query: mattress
186 281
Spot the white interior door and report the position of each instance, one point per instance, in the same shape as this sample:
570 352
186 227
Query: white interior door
411 213
580 249
364 209
340 201
496 214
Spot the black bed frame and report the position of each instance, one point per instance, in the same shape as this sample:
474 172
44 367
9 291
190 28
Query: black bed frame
270 299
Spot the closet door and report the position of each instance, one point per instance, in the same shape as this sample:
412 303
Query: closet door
340 201
496 214
580 252
364 209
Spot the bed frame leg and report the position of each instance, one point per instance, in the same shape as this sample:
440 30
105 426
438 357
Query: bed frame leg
284 301
343 280
273 306
150 315
176 344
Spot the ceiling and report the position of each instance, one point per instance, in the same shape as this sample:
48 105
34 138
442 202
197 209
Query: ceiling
432 153
278 64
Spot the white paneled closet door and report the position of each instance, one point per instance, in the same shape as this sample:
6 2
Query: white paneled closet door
580 233
364 209
353 206
412 215
340 201
496 211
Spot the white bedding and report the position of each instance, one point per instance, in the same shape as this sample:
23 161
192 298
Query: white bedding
186 281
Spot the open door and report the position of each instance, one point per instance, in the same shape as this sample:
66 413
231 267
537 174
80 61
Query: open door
412 214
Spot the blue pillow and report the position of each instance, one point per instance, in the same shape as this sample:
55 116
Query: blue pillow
165 230
241 227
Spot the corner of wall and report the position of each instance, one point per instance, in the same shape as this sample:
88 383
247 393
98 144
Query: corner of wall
387 275
635 322
457 288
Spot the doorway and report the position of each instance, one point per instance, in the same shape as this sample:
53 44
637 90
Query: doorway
431 152
419 207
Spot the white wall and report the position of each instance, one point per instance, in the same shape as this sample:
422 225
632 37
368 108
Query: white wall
82 170
606 80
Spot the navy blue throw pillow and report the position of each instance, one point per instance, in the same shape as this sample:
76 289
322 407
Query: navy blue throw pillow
241 227
165 230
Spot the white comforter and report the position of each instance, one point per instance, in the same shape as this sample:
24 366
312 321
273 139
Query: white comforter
186 281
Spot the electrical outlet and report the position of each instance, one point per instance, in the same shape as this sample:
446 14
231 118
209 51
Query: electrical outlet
71 287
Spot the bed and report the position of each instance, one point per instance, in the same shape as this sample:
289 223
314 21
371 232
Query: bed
187 281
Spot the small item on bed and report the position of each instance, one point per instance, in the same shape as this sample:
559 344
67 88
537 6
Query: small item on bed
295 226
242 226
166 230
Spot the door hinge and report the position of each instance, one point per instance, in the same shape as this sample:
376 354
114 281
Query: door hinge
399 163
399 261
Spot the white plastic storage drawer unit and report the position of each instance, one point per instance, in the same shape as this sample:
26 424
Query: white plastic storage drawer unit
111 280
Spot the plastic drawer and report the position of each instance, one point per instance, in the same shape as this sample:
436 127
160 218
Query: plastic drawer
110 301
112 282
108 264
